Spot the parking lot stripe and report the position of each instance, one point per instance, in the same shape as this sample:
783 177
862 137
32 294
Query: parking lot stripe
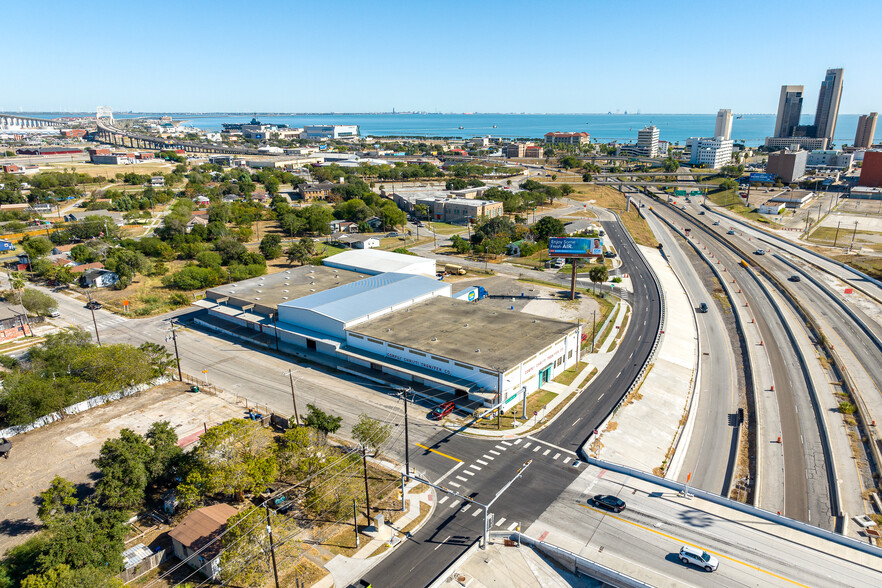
546 452
480 462
438 452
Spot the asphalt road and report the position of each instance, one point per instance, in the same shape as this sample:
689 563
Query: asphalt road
709 453
802 501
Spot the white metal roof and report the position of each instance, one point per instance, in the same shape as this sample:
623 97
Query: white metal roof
378 262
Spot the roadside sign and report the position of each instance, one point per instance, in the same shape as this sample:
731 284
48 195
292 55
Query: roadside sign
575 247
125 302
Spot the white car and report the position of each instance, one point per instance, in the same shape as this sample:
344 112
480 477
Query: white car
698 557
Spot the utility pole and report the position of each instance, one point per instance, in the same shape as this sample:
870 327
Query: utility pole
836 236
174 338
355 520
593 330
367 495
95 322
293 397
269 530
406 432
852 236
498 410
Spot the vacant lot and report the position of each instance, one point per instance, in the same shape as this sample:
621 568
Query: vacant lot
66 448
612 199
110 171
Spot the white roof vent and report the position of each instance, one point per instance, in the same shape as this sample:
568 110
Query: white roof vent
311 290
477 351
434 338
284 290
284 298
257 298
466 325
259 291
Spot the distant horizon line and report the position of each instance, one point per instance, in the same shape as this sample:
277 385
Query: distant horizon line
396 113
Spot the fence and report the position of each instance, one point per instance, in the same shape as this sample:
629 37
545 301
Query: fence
80 407
145 565
268 417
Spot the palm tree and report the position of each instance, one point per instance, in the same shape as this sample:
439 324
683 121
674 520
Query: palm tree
598 274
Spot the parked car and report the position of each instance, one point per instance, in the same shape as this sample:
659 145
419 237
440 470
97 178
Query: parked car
609 502
442 410
700 213
702 307
609 254
794 278
93 305
558 262
716 223
698 557
54 314
392 234
759 252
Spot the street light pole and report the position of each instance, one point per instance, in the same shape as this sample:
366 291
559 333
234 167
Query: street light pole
95 322
406 431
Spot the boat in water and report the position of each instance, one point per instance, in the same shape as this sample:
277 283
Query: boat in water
460 126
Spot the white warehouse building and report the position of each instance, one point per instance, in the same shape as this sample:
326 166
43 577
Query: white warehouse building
405 325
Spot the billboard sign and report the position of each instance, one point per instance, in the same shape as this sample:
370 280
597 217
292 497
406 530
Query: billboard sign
756 177
575 247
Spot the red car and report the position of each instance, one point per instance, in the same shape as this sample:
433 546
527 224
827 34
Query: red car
442 410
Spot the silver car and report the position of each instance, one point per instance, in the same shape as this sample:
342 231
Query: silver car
698 557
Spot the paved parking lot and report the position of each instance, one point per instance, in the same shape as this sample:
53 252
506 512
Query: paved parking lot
66 448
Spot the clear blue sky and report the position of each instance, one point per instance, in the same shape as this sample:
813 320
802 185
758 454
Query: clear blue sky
452 56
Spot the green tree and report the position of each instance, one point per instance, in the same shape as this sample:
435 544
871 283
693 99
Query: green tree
37 302
57 499
245 557
321 421
566 189
728 184
371 433
122 463
548 226
301 251
36 247
460 244
598 274
271 246
164 450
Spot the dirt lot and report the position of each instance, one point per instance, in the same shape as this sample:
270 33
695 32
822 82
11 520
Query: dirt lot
66 448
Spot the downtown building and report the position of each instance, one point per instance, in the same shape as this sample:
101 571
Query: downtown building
789 134
647 141
710 152
866 130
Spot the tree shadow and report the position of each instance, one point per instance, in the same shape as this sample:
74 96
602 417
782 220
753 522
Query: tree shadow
15 527
697 519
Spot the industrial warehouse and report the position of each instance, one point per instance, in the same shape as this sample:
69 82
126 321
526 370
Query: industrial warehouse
387 312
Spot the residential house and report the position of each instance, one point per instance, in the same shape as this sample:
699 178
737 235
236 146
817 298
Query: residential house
198 219
13 322
84 267
116 217
514 248
198 531
202 200
361 241
343 226
63 249
6 245
375 223
157 182
98 278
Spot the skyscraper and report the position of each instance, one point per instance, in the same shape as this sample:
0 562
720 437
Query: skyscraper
789 109
828 105
647 141
723 127
866 130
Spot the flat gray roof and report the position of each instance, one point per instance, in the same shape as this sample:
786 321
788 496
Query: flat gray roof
455 329
266 293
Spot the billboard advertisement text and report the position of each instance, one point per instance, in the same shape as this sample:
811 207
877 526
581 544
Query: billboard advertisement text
756 177
575 247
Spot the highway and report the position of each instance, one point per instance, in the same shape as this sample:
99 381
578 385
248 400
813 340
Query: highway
803 501
710 454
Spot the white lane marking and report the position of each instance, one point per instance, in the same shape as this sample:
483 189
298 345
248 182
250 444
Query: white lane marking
500 521
500 447
474 467
443 500
494 452
512 526
454 484
556 455
462 479
469 472
527 444
537 448
485 456
506 443
553 446
576 421
448 472
546 452
480 462
443 542
518 441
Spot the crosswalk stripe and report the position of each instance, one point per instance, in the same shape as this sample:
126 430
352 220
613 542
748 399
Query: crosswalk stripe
465 508
468 472
556 455
461 478
480 462
497 453
500 447
518 441
537 448
473 466
477 512
443 499
500 521
512 526
506 443
454 484
453 505
546 452
485 456
527 444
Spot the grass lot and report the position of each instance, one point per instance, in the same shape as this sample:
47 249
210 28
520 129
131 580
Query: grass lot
566 377
535 402
446 228
146 295
827 236
730 200
612 199
870 265
110 171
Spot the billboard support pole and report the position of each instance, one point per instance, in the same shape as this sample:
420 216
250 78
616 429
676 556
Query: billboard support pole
573 281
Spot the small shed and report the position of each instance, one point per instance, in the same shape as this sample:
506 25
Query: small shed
198 531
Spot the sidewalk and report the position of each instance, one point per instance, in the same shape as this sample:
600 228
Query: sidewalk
347 570
658 408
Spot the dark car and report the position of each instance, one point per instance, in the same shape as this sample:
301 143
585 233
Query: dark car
794 278
609 502
442 410
609 254
93 305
